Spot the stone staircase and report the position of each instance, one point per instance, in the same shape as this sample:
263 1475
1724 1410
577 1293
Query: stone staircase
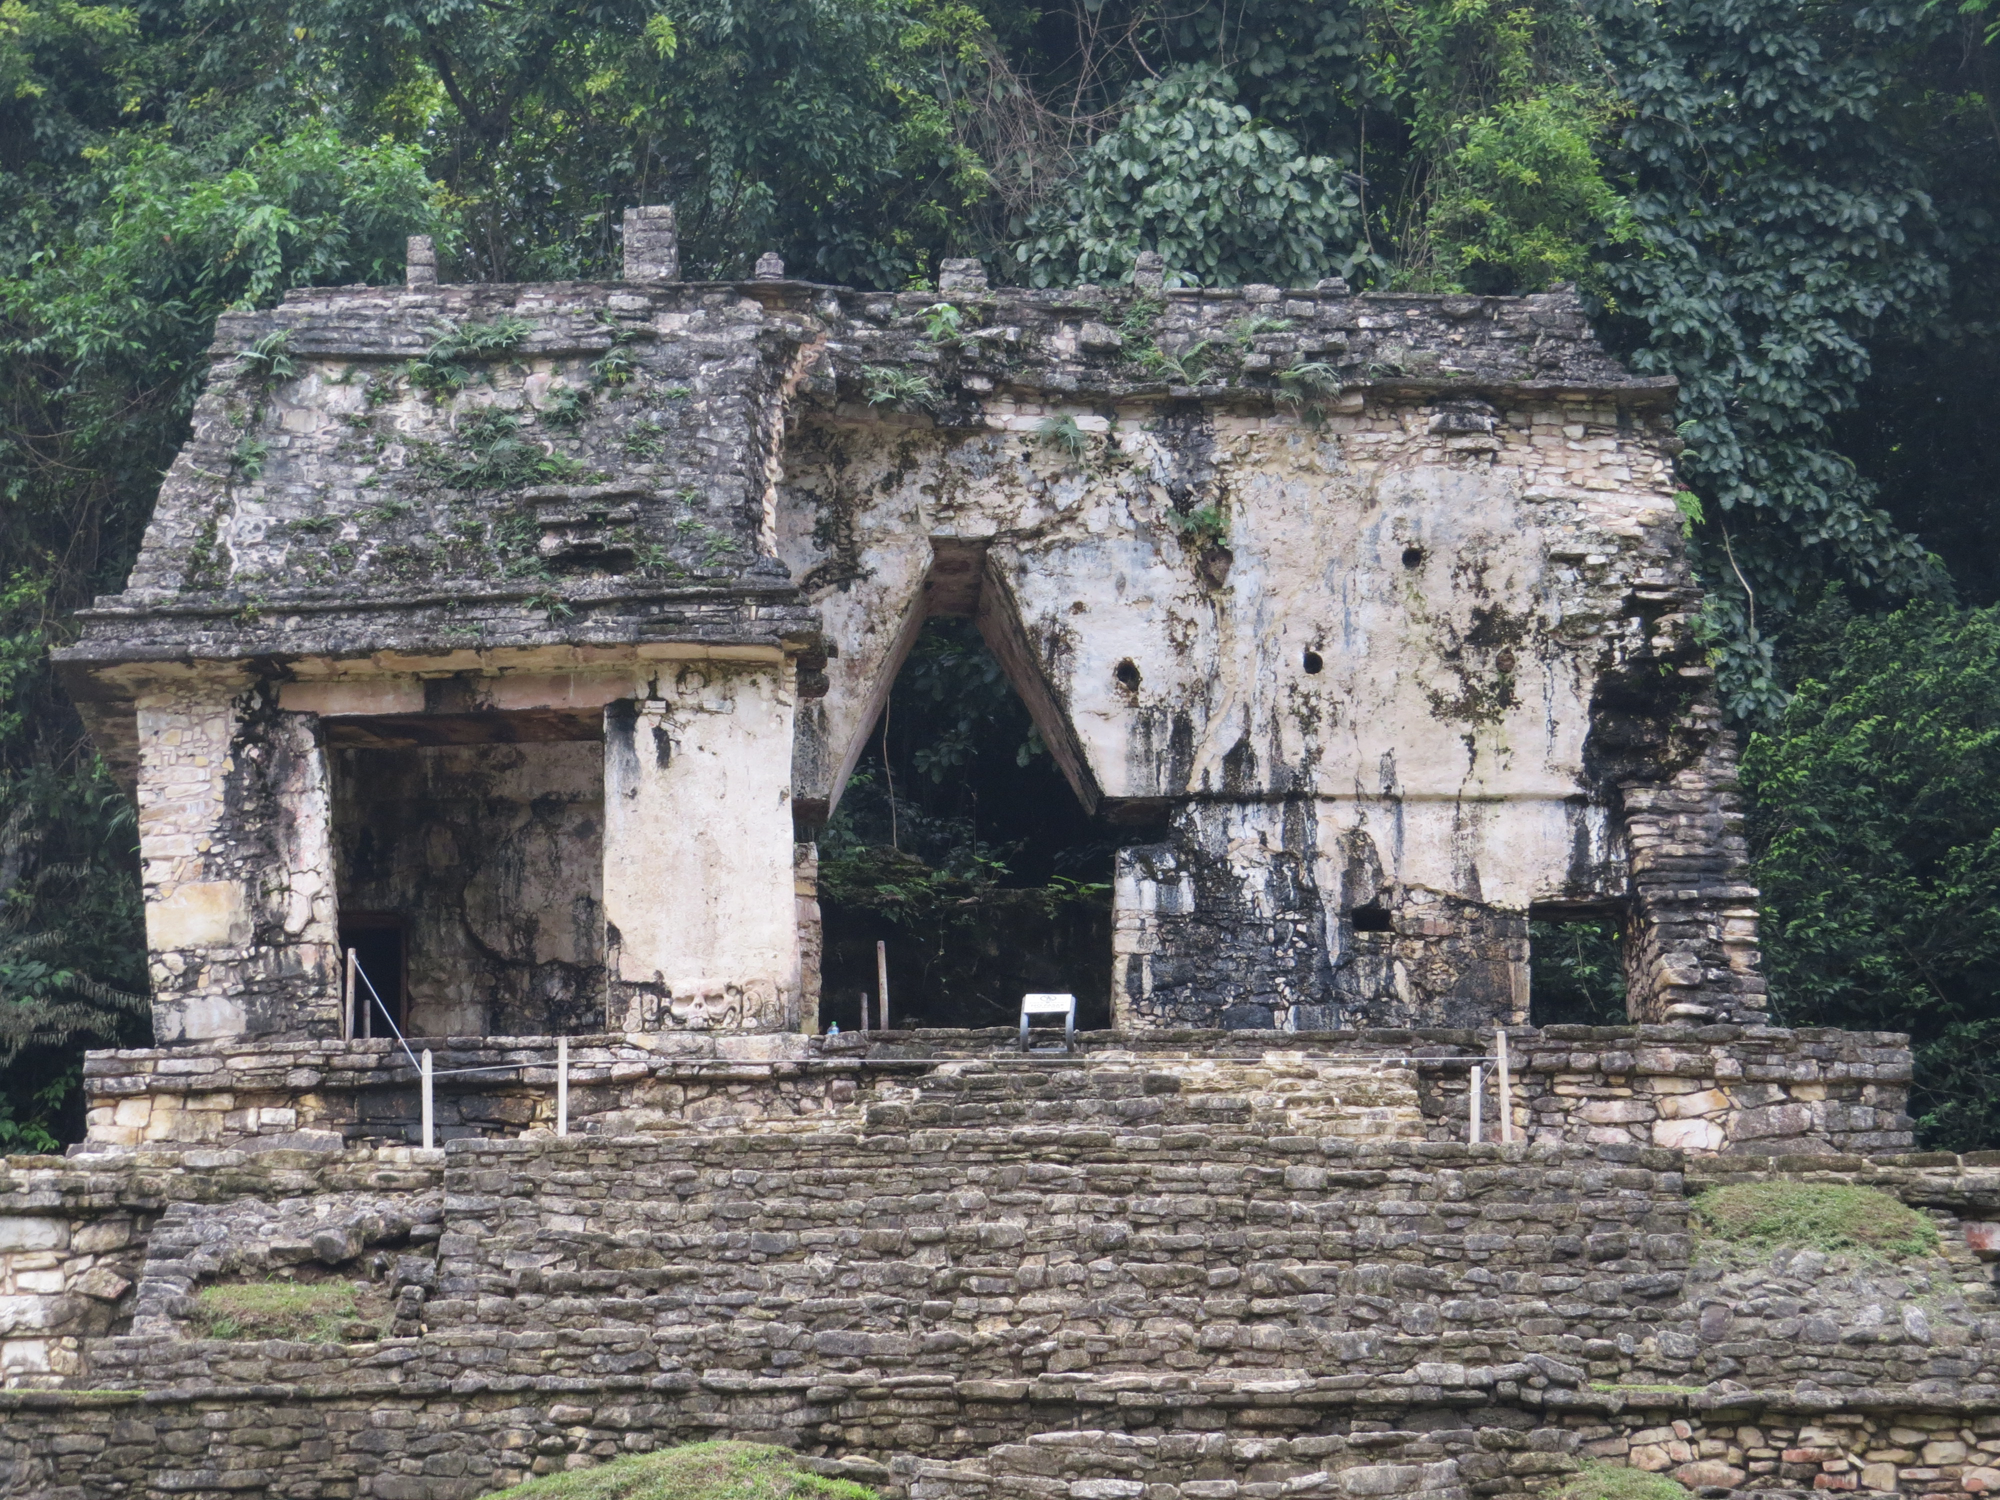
1273 1094
1098 1465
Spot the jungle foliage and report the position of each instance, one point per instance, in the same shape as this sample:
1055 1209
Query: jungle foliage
1787 204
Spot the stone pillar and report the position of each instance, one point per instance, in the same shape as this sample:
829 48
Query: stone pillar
1691 937
236 853
652 244
700 898
1143 880
812 933
420 262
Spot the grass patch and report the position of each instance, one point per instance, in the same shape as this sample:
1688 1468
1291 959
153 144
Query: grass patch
1804 1216
699 1471
1598 1480
320 1312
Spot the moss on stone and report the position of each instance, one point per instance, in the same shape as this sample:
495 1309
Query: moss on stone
316 1312
1813 1216
699 1471
1598 1480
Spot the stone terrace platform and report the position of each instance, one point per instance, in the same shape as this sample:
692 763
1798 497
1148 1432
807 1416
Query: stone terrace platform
1735 1089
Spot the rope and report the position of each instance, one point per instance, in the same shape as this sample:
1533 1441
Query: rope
383 1006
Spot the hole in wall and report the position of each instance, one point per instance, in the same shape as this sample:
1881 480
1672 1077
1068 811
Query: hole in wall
1576 966
1371 918
1127 673
1413 557
966 852
1313 663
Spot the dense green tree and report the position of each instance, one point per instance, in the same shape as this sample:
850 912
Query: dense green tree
1805 179
1876 825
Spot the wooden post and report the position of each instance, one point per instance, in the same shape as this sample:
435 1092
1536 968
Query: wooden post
1506 1101
864 1010
882 979
562 1085
1478 1087
429 1131
347 1010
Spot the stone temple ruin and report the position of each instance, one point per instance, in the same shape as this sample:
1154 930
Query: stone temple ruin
519 640
557 653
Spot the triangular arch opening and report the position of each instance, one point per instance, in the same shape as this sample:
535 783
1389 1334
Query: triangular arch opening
964 839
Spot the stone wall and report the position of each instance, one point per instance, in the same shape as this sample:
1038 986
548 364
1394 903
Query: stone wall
1744 1090
1713 1089
1767 1449
1207 1306
75 1235
1087 1255
382 1442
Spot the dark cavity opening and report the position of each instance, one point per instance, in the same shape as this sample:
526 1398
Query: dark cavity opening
1314 663
376 940
1413 557
1576 967
1371 918
1127 673
486 861
966 852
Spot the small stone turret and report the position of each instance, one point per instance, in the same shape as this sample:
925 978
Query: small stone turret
652 244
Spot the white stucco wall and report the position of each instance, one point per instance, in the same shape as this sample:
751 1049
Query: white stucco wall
699 890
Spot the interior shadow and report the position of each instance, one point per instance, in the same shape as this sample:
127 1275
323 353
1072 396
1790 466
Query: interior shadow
1576 967
960 846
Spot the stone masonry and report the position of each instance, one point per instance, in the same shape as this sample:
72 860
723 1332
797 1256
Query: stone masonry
1362 624
522 639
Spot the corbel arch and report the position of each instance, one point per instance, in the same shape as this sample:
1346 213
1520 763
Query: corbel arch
959 581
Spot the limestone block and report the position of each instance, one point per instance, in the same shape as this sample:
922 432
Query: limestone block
24 1313
25 1232
199 914
23 1357
1772 1120
103 1284
100 1236
1689 1135
1616 1111
1710 1471
1689 1106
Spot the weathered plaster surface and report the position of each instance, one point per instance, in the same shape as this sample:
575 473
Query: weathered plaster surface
1460 603
235 842
494 852
1330 602
700 902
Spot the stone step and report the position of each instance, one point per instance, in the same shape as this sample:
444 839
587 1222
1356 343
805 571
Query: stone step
1277 1093
1101 1465
1273 1094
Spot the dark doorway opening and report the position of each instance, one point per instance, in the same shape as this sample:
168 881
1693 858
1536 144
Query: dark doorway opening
376 941
960 845
487 858
1576 966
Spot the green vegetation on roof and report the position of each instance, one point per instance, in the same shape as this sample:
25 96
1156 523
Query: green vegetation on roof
699 1471
1808 1216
